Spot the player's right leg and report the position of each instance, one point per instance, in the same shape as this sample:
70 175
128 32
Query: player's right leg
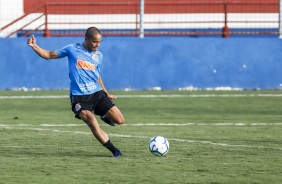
100 135
92 123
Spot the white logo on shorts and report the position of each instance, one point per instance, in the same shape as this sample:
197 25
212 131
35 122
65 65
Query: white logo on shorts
77 107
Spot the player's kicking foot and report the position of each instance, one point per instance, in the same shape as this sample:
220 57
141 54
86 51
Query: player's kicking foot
107 120
117 154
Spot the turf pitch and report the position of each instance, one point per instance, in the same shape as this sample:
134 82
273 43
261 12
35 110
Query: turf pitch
214 136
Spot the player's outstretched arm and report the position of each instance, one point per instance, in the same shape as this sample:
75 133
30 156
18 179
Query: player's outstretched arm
40 51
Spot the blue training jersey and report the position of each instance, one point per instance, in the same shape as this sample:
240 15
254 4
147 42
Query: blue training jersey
84 68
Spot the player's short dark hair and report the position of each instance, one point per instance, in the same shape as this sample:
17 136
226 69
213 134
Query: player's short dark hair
91 31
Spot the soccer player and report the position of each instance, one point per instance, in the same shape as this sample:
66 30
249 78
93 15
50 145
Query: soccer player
87 91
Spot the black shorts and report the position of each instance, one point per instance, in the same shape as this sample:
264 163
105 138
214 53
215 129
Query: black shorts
98 103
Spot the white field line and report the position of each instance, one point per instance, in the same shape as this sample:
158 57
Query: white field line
146 137
203 124
149 124
150 96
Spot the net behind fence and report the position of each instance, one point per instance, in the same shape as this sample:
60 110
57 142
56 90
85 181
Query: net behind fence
161 17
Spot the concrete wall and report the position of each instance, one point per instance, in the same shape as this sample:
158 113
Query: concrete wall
166 62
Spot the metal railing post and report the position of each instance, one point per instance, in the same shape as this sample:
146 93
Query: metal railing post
225 29
46 31
141 28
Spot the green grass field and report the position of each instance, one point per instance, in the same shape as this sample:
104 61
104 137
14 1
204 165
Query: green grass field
214 136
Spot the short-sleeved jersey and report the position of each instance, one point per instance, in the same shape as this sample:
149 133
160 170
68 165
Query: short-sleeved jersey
84 68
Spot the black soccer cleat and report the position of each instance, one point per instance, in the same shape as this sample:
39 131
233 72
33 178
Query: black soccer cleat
107 120
117 154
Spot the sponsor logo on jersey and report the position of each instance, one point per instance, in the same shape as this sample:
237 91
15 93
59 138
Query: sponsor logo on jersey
85 65
88 86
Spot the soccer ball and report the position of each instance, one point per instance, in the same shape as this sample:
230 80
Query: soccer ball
158 146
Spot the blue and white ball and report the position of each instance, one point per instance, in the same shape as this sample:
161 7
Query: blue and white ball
158 146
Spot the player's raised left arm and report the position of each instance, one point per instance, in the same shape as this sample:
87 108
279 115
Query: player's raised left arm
112 97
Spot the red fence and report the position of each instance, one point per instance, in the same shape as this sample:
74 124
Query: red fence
153 6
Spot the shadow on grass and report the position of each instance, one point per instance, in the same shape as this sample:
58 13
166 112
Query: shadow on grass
49 153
